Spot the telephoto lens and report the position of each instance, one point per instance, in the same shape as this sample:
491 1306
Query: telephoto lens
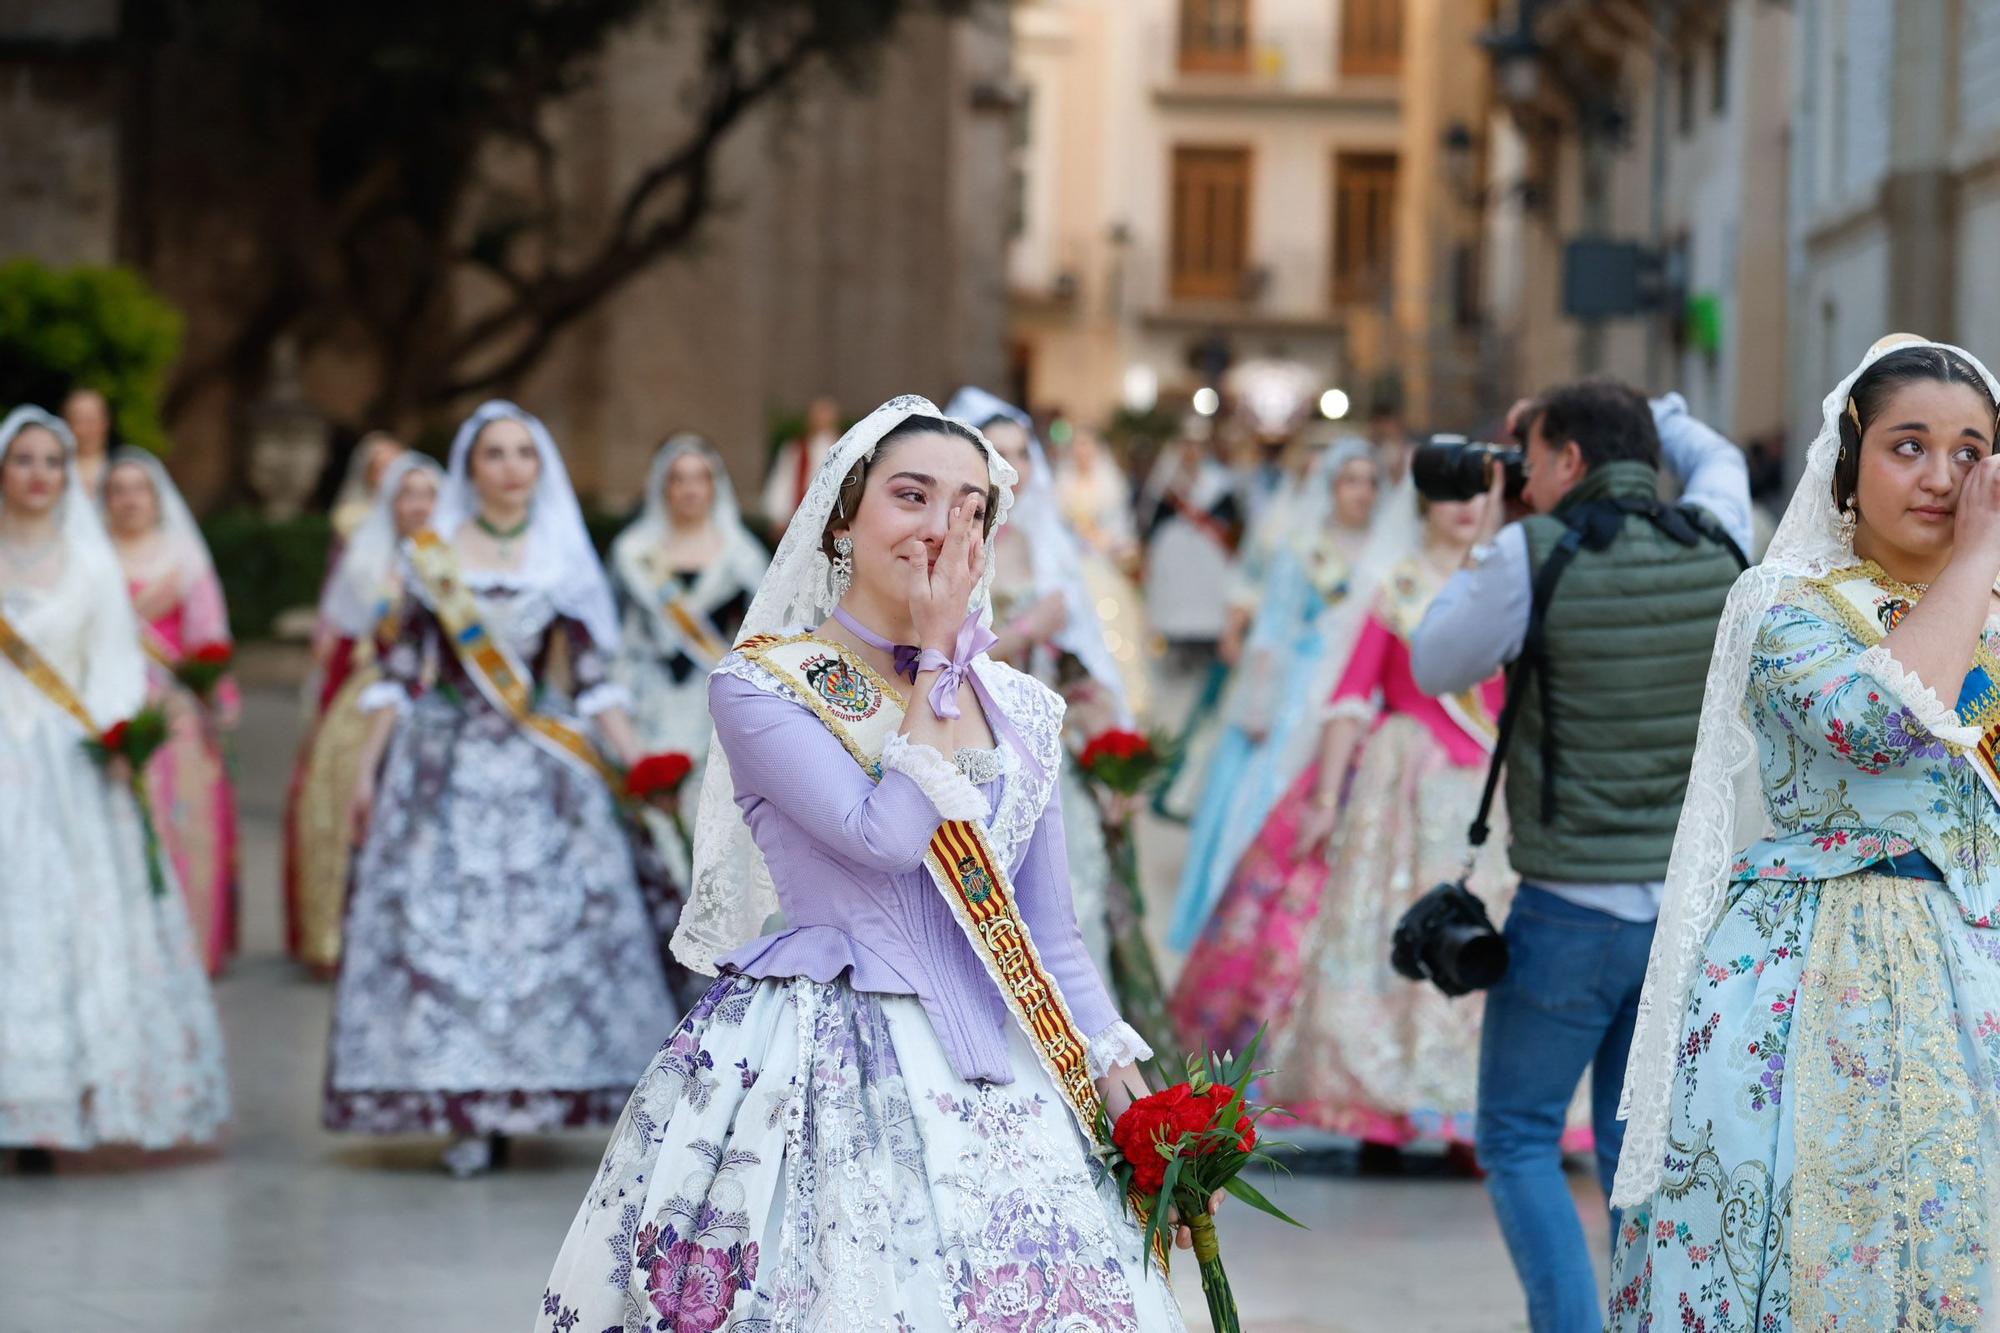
1450 467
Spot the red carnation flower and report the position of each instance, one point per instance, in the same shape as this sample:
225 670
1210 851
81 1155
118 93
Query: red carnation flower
658 774
212 654
114 736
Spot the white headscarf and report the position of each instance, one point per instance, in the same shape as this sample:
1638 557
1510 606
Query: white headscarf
352 602
352 502
733 894
1724 810
115 684
83 533
560 559
1055 554
741 561
1395 533
184 548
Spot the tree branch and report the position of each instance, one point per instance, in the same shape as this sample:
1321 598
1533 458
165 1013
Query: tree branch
549 305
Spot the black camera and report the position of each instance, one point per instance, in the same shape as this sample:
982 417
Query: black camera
1451 467
1447 939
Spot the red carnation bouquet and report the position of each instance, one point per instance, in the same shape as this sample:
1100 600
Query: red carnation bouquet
203 669
1127 764
1176 1149
658 779
135 741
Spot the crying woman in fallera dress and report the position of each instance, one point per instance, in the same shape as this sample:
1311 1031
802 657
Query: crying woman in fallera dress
852 1130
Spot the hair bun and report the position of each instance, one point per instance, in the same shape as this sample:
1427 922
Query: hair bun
1888 342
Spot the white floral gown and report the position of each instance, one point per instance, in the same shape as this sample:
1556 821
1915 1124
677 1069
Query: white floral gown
108 1033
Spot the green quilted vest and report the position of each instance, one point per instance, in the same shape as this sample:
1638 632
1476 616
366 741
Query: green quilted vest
1629 633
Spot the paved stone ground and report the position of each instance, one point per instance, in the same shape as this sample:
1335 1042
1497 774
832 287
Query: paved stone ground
287 1229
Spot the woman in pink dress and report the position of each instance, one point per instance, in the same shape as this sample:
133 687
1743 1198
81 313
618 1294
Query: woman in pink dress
1300 940
181 614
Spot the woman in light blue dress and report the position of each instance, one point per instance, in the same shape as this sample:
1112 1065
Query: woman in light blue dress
1308 615
1812 1089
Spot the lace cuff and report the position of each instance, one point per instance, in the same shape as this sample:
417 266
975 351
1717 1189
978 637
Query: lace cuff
1922 701
936 776
599 697
1360 710
1119 1044
384 694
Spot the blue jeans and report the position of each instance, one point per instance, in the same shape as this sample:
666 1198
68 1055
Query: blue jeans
1568 1001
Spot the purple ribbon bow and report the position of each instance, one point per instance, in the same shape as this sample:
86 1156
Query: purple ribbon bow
973 639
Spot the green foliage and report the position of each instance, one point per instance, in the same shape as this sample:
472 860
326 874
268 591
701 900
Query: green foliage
267 567
87 327
1152 427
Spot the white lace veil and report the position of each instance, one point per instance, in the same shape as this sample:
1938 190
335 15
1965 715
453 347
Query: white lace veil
113 689
184 546
352 602
1055 552
83 533
732 894
1724 809
655 522
1395 533
560 559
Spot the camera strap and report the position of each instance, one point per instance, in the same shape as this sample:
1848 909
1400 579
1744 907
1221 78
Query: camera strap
1517 687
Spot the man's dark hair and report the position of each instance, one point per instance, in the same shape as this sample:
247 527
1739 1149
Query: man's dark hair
1610 421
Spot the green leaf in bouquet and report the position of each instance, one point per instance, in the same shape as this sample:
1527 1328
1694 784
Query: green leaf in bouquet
1242 1189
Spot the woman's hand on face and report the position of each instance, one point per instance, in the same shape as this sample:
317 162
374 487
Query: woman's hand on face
941 595
1976 531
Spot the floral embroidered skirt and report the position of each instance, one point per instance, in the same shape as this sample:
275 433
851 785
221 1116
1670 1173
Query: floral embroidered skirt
499 972
801 1157
1832 1145
1244 970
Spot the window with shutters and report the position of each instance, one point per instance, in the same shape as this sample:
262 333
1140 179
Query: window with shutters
1371 37
1364 225
1211 223
1215 36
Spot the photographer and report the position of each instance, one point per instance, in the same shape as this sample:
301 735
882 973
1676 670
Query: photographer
1607 599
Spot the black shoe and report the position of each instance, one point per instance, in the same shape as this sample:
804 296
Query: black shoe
1379 1159
34 1162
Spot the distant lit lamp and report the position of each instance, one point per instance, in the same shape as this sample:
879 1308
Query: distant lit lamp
1142 388
1206 401
1333 404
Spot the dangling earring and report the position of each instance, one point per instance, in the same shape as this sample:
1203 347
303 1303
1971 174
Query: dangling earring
1848 520
841 576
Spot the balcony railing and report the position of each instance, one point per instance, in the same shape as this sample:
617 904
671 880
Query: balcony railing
1284 59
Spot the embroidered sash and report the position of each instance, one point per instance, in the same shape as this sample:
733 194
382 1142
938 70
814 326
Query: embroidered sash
1871 606
492 665
43 676
863 712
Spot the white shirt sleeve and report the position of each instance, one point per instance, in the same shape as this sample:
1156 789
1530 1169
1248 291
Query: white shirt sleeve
1479 619
1712 471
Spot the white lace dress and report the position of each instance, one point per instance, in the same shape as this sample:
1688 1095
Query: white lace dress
107 1030
500 973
